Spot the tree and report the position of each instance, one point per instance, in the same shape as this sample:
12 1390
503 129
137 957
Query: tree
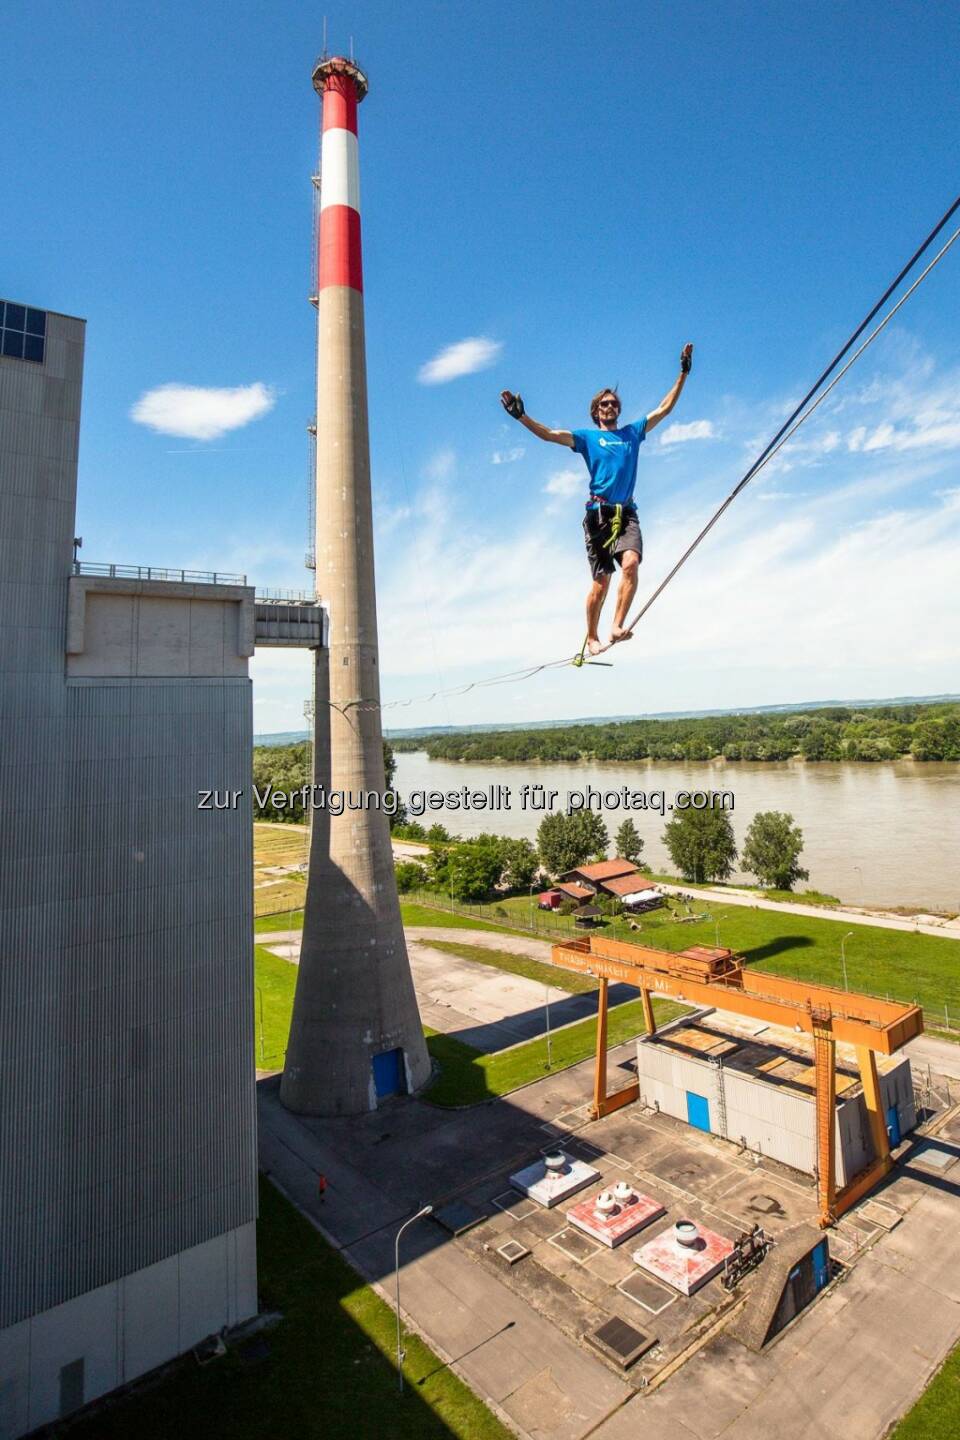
592 836
772 849
627 842
520 863
473 870
701 844
557 846
410 876
566 841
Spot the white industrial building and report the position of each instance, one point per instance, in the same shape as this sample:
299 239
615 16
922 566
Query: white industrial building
128 1176
754 1084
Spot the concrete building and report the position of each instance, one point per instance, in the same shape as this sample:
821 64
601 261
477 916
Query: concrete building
754 1084
127 1132
356 1035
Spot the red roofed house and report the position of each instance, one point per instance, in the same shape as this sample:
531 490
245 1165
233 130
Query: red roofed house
594 875
617 877
556 895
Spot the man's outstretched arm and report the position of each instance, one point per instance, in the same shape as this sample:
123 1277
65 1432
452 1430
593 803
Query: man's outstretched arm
514 406
673 395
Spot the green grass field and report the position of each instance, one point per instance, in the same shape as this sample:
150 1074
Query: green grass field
325 1373
275 846
275 981
897 963
936 1415
567 980
467 1078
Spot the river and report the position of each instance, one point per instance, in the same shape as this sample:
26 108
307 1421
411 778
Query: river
884 834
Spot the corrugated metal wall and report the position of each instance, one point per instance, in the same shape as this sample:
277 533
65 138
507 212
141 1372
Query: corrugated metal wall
127 1126
769 1119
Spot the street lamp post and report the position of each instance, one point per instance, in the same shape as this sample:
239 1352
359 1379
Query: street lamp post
425 1210
843 957
546 1006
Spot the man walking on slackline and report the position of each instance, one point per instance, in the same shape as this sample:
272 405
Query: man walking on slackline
610 524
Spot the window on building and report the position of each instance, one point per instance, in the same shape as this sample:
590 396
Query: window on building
22 332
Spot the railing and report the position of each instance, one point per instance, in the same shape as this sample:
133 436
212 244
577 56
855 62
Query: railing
286 597
156 572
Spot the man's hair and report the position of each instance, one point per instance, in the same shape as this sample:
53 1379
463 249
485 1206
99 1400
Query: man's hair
595 403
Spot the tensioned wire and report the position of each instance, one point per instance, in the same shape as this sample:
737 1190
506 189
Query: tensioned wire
787 430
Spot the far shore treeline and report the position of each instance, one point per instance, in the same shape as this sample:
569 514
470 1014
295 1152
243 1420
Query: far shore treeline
887 732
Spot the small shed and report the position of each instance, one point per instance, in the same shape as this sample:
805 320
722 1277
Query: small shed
793 1274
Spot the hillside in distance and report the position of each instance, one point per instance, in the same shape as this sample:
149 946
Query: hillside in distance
923 730
819 729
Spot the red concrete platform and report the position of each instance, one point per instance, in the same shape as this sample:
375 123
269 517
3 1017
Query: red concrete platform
622 1222
685 1267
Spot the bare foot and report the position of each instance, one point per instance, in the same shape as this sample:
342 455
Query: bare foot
594 646
618 633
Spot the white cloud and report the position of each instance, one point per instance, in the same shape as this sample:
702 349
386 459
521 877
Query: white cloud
463 358
441 465
695 430
507 457
200 412
565 483
387 519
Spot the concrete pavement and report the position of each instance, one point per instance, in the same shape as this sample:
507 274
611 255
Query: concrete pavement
850 1367
379 1171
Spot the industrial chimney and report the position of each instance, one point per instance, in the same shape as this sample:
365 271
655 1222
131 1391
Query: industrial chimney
356 1035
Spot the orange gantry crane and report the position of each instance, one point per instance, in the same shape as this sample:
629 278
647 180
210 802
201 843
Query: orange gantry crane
716 977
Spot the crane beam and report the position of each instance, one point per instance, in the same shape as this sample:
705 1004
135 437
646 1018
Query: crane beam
720 979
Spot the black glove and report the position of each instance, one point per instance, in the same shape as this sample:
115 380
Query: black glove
686 359
512 404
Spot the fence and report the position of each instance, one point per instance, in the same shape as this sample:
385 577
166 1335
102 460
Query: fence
157 572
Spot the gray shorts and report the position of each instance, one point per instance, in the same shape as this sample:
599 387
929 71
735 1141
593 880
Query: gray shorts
596 532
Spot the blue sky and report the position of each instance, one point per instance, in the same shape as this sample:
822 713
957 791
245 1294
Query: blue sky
584 189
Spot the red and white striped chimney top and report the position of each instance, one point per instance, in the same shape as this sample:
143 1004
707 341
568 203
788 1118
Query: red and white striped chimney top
342 84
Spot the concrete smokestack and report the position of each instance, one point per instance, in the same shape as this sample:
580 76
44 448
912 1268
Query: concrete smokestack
356 1034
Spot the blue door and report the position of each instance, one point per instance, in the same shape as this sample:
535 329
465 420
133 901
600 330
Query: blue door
893 1127
698 1111
821 1265
388 1073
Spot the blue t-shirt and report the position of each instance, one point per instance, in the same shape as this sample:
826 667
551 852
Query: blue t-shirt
611 457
